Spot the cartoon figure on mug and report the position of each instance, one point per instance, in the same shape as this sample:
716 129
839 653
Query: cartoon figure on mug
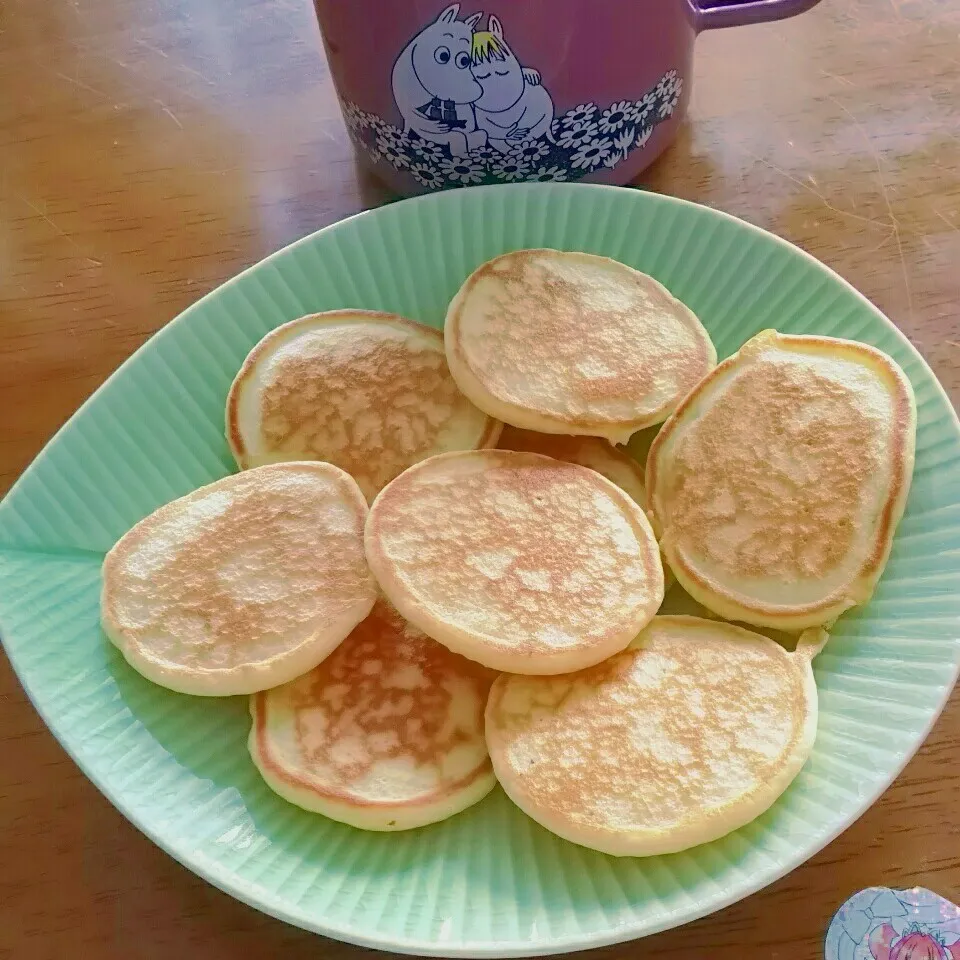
471 112
458 88
514 106
434 86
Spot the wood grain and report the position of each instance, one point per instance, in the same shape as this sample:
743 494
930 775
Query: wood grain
149 149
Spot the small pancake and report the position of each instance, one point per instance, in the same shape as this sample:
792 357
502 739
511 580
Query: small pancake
691 732
573 343
593 452
369 392
242 584
385 734
600 455
779 482
516 560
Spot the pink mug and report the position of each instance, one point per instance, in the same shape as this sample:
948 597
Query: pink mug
439 95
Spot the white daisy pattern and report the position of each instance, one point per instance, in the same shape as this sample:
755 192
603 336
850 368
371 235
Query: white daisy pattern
427 175
581 140
482 155
350 115
531 150
582 113
394 149
392 135
666 81
379 125
671 96
642 110
576 134
548 175
462 170
615 116
427 149
592 154
510 168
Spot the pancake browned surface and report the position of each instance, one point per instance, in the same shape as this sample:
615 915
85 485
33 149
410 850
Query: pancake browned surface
369 392
573 343
691 732
242 584
778 484
516 560
385 734
616 465
593 452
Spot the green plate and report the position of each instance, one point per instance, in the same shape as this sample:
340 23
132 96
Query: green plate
489 882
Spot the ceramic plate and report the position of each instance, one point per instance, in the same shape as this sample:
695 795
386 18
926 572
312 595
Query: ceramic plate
489 882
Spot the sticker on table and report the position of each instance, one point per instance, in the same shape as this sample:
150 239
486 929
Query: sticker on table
883 924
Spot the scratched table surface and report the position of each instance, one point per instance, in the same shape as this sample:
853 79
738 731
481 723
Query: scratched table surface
150 149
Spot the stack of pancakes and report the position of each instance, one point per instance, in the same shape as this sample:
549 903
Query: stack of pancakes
418 612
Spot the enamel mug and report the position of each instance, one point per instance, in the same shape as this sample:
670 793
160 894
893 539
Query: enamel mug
442 95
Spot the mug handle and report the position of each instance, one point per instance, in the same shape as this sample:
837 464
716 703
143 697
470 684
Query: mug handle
747 11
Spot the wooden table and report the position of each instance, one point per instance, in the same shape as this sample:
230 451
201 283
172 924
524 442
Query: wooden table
149 149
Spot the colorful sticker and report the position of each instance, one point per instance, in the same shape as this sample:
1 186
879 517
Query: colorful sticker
883 924
472 113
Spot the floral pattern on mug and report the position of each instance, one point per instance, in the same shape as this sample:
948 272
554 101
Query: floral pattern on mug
584 139
472 113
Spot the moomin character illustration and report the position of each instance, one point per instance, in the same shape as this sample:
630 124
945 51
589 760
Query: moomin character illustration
472 113
434 86
513 106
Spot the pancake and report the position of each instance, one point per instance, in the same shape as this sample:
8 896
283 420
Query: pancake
243 584
600 455
385 734
779 482
593 452
573 343
369 392
692 732
516 560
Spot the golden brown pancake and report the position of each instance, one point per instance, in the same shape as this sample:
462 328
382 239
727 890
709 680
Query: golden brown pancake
612 462
518 561
242 584
573 343
691 732
369 392
385 734
600 455
778 483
